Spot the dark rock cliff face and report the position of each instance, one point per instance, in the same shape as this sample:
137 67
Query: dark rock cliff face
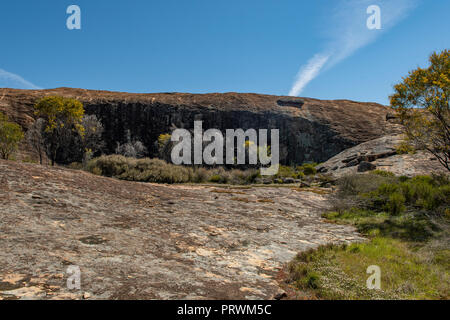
310 129
300 139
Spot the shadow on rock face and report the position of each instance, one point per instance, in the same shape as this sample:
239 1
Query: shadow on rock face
290 102
93 240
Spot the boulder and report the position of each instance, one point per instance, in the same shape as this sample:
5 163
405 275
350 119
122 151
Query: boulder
304 184
279 295
288 180
366 166
380 154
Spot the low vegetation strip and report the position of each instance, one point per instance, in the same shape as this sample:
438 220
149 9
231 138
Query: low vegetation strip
160 171
157 170
406 221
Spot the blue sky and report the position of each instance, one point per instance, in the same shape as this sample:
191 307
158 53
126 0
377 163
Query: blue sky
204 46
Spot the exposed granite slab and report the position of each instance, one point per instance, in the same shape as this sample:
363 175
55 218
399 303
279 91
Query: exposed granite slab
381 154
146 241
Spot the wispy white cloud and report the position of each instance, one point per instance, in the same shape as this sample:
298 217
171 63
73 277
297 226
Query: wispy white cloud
308 72
348 32
11 80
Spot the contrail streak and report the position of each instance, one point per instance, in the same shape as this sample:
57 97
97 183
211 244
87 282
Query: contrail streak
350 33
308 72
11 80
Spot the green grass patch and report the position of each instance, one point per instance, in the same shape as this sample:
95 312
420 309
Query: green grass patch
406 222
413 226
340 272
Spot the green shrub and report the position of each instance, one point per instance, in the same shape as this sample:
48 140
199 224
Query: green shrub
312 280
421 192
404 148
10 136
96 171
382 173
76 165
441 179
387 188
309 169
361 183
251 178
287 172
28 159
423 179
215 178
351 214
157 170
201 175
109 165
439 196
325 178
297 172
300 175
403 178
396 203
406 221
146 170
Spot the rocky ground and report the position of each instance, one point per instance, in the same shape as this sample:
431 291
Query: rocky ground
146 241
381 154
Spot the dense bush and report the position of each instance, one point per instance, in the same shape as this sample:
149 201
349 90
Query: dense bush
309 169
62 126
147 170
10 135
382 173
362 183
63 132
297 172
289 172
385 192
156 170
396 203
421 192
404 148
411 209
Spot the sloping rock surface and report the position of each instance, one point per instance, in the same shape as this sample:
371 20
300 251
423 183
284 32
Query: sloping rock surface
145 241
381 154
